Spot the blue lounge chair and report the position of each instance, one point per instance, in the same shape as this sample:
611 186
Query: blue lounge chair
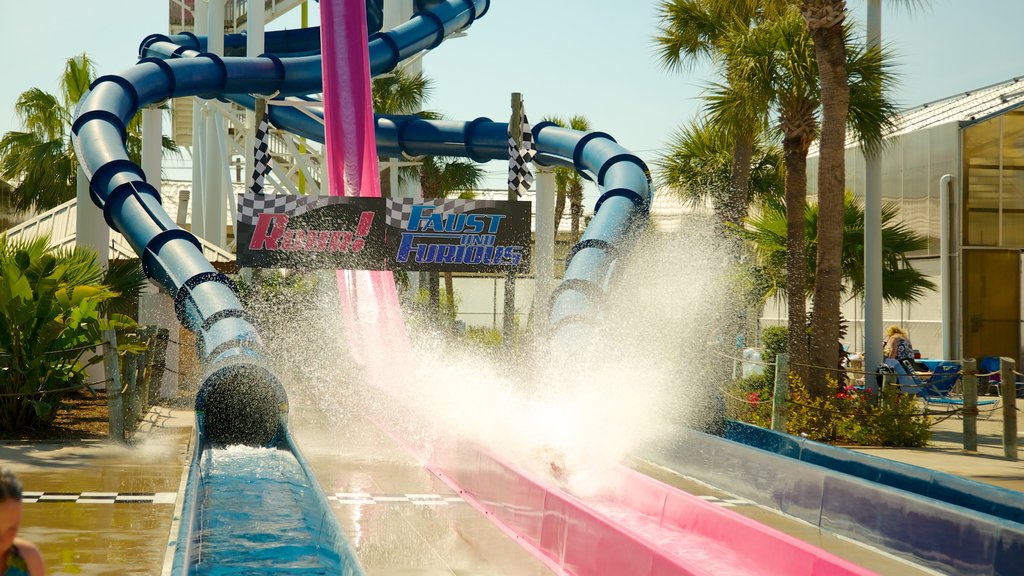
939 387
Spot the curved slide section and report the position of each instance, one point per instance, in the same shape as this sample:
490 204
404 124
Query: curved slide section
240 400
229 343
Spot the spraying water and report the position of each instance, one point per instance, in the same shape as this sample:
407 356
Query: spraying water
570 418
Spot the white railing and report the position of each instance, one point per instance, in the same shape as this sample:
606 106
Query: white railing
61 224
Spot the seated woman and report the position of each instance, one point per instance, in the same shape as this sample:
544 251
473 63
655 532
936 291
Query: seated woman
899 355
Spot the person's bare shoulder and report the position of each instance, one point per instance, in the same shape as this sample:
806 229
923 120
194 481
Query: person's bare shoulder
32 556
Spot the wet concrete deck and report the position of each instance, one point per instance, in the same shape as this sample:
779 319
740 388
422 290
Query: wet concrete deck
96 508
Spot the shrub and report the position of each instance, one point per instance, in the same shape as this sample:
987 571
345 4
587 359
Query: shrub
50 319
750 400
851 416
773 342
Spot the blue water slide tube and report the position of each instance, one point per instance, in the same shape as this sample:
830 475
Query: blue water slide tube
240 400
623 179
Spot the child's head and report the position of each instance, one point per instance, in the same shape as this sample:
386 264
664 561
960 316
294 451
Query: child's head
10 509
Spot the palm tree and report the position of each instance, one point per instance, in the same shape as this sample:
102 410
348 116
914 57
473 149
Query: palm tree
698 163
902 283
695 30
41 160
569 183
825 20
400 93
776 57
440 178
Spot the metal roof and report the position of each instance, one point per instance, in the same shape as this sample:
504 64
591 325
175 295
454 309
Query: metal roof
965 108
968 107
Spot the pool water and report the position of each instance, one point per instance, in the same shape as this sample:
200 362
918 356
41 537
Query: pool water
258 514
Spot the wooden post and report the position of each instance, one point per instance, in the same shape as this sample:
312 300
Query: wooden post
115 405
970 377
1008 385
146 368
131 389
156 372
516 129
780 397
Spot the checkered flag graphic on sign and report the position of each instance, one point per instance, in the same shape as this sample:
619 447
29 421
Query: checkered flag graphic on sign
519 175
251 205
398 211
261 157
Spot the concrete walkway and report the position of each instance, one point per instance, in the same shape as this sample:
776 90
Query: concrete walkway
96 508
945 450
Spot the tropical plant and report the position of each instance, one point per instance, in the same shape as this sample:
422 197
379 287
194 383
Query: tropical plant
777 56
51 318
40 162
693 31
569 183
401 93
441 178
697 165
901 282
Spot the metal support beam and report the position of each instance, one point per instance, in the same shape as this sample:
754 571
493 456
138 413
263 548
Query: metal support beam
873 231
544 247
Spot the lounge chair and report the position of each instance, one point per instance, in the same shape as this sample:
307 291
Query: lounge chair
940 388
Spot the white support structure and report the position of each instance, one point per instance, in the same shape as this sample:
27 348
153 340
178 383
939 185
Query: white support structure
254 46
398 12
216 161
199 111
156 307
544 245
873 231
92 230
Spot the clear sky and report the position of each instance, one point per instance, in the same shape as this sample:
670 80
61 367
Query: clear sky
590 57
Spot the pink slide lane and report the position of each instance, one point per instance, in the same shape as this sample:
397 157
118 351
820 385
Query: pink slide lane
644 527
641 528
369 301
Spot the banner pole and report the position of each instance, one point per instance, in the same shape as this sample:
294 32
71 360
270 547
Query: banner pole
508 318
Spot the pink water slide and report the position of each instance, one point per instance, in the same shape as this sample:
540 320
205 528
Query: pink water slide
644 527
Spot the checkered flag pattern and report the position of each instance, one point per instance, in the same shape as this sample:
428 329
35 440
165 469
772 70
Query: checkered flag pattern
261 156
251 204
519 175
100 497
398 211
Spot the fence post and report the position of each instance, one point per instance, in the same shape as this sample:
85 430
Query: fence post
781 395
145 369
112 370
130 378
155 376
970 378
1008 385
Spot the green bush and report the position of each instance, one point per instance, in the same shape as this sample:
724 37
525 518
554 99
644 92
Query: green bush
773 343
750 400
852 417
50 319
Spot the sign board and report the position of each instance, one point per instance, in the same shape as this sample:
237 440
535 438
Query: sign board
338 232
